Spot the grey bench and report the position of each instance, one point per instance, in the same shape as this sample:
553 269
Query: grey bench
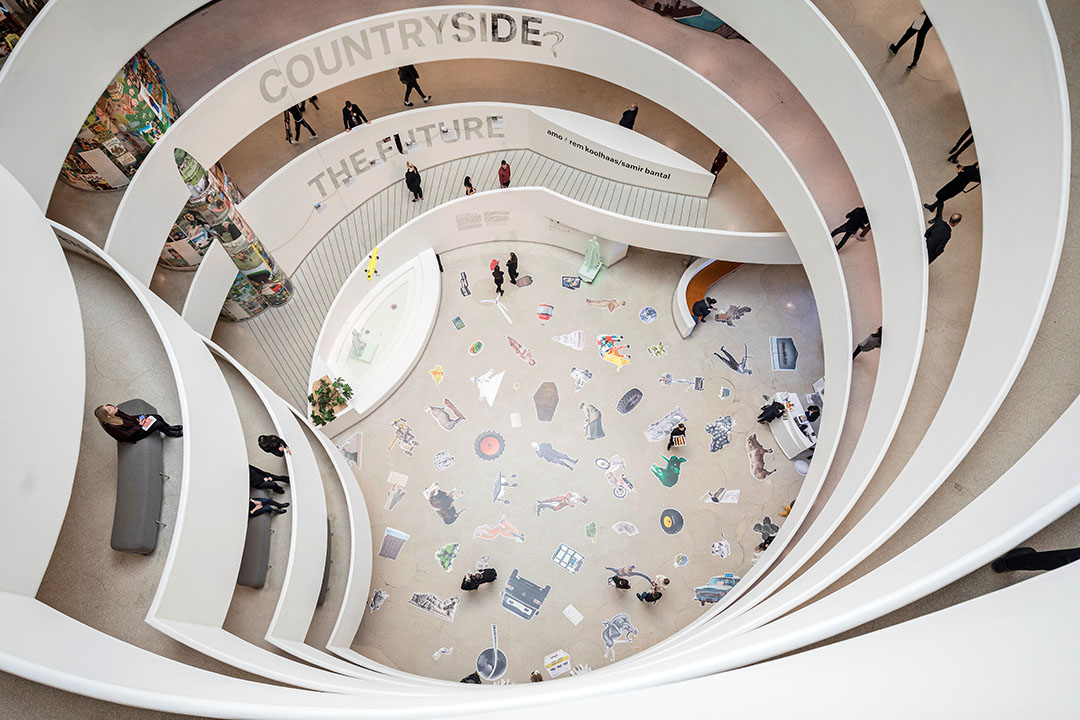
326 569
256 558
139 473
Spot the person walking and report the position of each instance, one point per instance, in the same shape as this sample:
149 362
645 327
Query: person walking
679 431
504 176
719 161
469 189
261 506
412 182
297 113
629 116
652 596
131 429
619 582
1027 558
259 479
352 115
919 27
938 234
408 76
701 309
471 581
857 220
962 144
965 175
870 342
511 268
274 445
497 276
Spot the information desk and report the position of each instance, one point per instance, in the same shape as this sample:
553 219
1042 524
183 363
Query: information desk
792 432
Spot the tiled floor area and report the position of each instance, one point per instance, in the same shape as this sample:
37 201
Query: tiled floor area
534 527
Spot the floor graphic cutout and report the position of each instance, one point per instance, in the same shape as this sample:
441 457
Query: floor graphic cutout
647 315
491 663
445 556
571 282
615 473
755 453
611 305
544 312
488 385
629 400
502 484
352 449
721 495
573 340
669 474
738 366
558 662
573 614
489 445
437 655
465 291
629 571
443 502
392 542
396 493
698 383
590 530
476 348
524 281
403 437
721 548
430 602
611 350
504 529
515 418
522 597
377 599
719 431
767 529
458 323
568 558
715 590
437 374
734 312
580 376
661 429
559 502
546 399
785 356
524 354
594 426
625 527
442 460
617 630
680 560
448 416
658 350
671 521
546 452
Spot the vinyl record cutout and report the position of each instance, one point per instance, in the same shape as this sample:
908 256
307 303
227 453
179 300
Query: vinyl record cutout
671 521
490 445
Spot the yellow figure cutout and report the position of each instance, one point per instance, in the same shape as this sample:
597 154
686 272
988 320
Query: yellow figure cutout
373 259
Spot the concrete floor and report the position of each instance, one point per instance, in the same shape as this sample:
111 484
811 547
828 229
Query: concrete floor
404 636
929 113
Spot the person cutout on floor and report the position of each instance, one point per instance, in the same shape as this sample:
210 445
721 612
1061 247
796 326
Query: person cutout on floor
131 429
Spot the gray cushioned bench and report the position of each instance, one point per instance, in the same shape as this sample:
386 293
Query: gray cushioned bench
256 559
139 473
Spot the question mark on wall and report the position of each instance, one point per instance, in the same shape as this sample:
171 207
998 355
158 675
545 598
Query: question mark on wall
558 39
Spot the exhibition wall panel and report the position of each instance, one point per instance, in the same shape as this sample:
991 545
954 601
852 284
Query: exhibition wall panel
45 359
51 71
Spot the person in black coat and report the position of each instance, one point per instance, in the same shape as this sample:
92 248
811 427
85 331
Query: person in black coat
412 181
701 309
965 174
770 412
261 480
677 431
962 144
617 581
1027 558
471 581
497 276
857 220
629 116
297 114
274 445
920 26
938 234
352 116
511 267
408 76
126 428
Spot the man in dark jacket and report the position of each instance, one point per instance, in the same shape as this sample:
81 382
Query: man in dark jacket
297 114
471 581
857 220
408 76
629 116
938 234
352 115
701 309
965 175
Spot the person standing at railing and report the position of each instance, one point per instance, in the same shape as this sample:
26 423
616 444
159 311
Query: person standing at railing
412 182
629 116
504 178
352 115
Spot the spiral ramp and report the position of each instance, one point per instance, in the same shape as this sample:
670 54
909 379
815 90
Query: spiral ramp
871 598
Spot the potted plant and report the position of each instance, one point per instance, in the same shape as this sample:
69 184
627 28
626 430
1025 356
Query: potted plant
328 398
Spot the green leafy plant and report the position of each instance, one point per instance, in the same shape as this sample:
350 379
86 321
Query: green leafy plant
328 399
